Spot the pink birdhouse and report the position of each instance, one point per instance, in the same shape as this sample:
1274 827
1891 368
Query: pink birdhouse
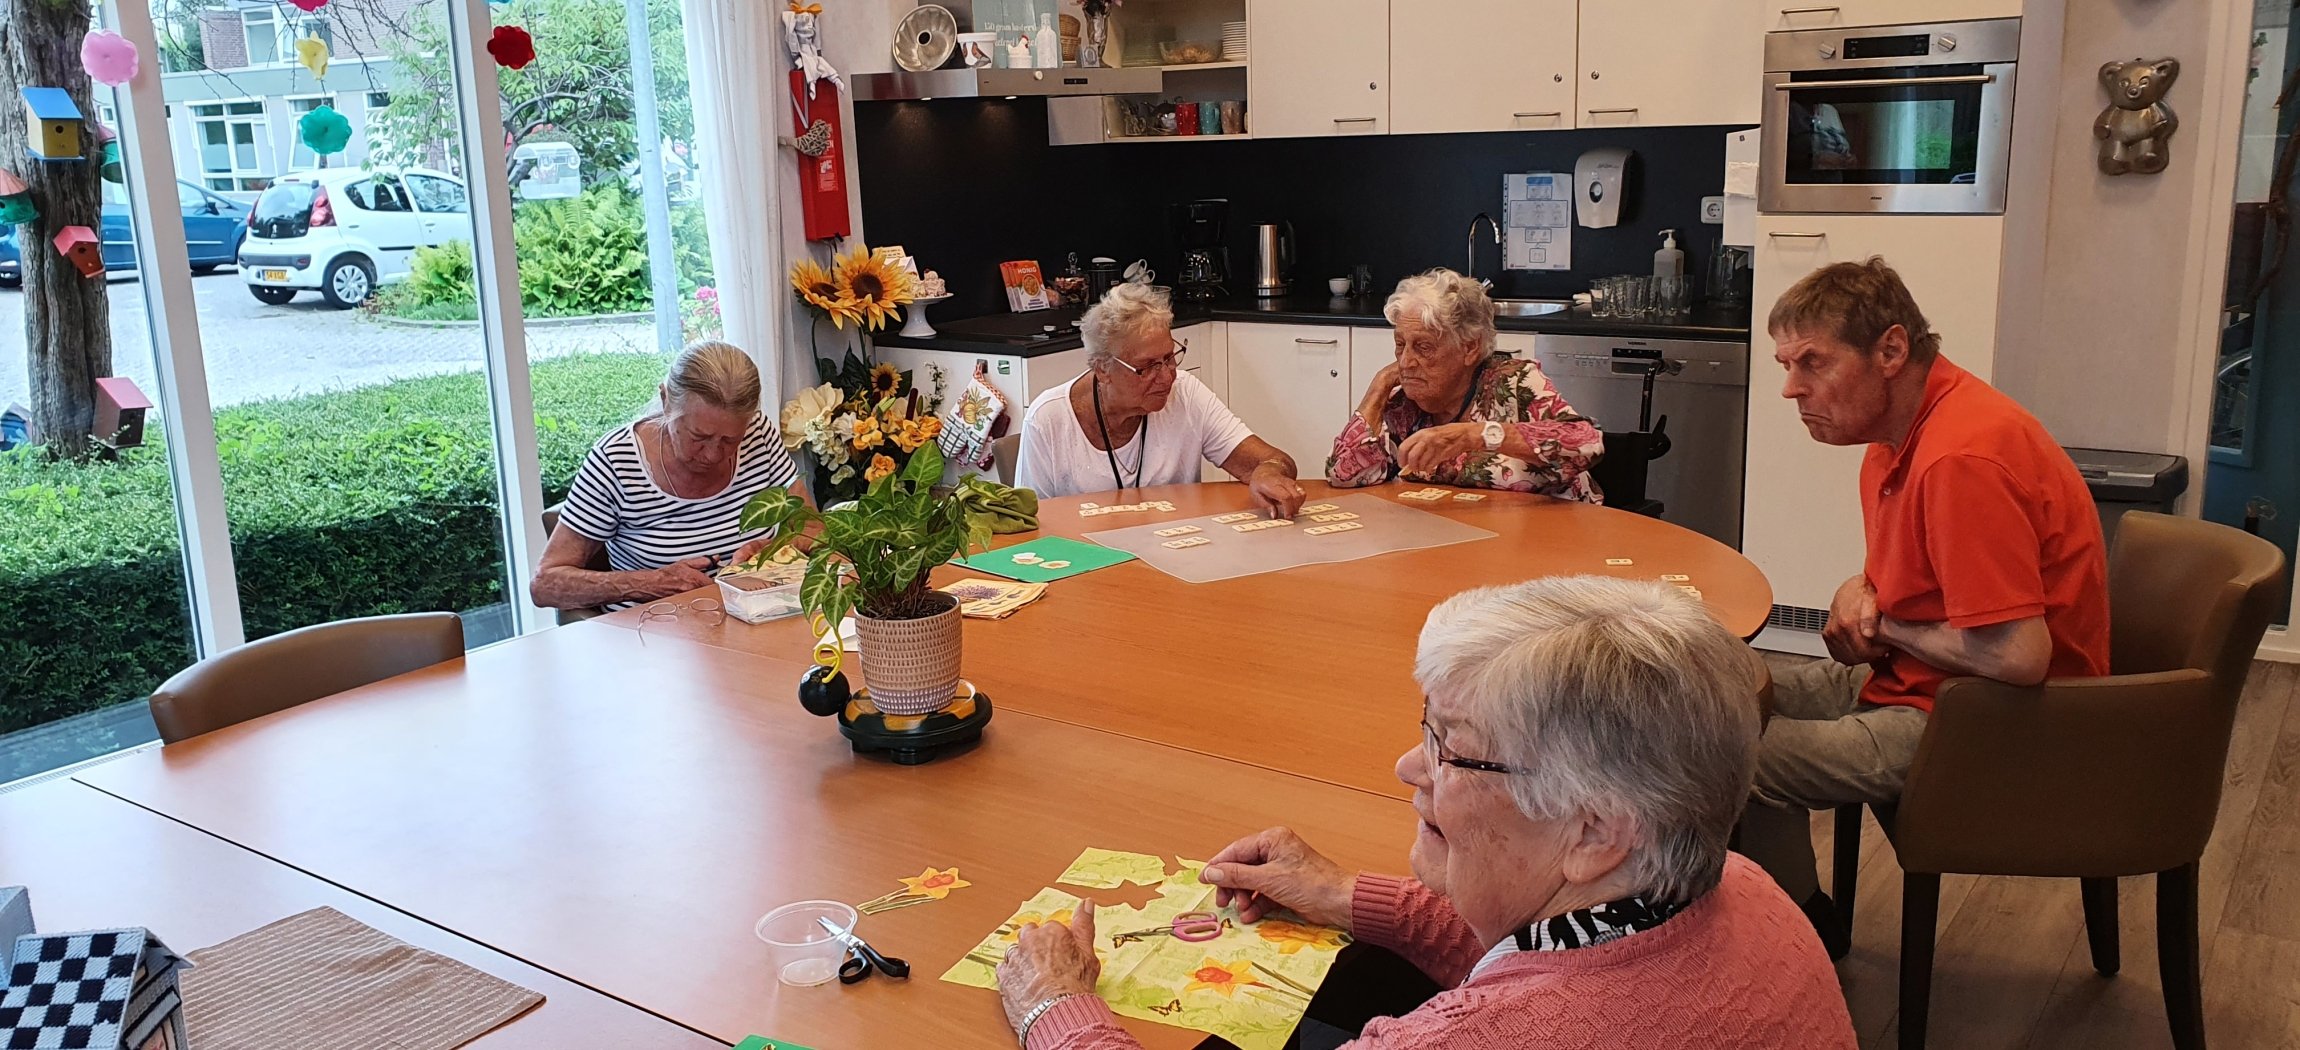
79 244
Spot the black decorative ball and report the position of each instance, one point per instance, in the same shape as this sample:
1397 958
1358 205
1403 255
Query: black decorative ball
823 691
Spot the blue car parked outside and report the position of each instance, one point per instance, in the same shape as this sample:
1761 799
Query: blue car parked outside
214 225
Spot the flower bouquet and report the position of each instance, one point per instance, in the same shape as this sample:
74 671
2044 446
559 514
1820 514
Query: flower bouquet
868 418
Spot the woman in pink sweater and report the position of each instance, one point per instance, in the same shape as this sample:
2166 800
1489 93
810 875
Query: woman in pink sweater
1573 889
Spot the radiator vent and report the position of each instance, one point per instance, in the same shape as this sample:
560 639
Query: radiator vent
1798 618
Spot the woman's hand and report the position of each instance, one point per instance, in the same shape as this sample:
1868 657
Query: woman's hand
1378 394
1048 960
679 577
1275 869
1433 447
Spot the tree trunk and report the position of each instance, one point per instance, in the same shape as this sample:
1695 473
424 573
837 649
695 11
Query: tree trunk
67 317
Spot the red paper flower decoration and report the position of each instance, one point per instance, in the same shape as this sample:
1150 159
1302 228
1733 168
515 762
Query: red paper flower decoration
309 5
512 47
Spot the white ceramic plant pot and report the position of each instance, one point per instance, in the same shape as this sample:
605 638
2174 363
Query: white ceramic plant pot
912 666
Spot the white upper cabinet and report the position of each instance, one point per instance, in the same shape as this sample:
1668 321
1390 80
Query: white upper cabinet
1657 62
1808 14
1319 67
1479 65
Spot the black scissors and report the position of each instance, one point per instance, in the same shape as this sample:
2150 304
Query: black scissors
862 958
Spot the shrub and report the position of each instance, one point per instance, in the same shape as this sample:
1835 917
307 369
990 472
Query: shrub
375 500
578 257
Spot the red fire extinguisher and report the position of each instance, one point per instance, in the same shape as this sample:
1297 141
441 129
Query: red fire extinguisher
816 133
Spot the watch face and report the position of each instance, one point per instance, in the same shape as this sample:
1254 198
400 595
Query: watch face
1493 436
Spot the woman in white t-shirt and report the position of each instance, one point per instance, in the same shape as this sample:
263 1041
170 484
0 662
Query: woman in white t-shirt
1136 419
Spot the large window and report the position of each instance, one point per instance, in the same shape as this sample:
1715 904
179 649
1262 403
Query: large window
234 143
262 26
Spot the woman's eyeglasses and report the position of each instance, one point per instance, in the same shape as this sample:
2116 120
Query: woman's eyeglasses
707 611
1169 363
1437 753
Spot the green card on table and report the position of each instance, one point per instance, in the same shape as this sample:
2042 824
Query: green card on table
1058 558
760 1042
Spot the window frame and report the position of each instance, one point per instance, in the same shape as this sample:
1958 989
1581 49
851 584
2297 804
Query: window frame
259 127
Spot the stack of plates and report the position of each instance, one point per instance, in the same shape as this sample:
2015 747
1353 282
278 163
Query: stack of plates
1234 41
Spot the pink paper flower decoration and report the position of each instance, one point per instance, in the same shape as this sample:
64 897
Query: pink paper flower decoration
309 5
109 57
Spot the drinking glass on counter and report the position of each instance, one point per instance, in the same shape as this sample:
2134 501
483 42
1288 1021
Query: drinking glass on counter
1636 298
1671 297
1602 292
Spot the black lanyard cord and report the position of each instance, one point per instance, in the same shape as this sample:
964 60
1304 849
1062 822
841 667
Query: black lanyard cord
1111 452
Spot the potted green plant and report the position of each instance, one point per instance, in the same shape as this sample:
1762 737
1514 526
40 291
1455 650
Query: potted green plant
872 558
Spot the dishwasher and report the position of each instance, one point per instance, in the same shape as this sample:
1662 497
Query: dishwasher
1702 386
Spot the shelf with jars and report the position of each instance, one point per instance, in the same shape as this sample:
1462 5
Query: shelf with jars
1201 49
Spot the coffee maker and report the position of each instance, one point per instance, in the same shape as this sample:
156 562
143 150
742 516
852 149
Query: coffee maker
1199 226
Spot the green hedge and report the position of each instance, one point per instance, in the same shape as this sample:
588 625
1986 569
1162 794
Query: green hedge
579 257
375 500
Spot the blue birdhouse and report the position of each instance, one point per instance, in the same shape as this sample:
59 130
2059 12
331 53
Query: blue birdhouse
52 124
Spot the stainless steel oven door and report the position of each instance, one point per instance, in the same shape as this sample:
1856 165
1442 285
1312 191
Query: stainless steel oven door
1920 138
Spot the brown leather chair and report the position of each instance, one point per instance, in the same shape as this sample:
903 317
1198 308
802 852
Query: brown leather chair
279 672
2090 778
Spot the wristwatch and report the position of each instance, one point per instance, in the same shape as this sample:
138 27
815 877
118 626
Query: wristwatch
1493 435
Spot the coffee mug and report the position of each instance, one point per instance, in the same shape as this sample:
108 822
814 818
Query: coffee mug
1210 118
1233 118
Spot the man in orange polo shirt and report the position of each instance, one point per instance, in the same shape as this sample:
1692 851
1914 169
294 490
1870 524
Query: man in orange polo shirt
1984 558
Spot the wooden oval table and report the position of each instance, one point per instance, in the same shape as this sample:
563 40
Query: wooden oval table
1308 670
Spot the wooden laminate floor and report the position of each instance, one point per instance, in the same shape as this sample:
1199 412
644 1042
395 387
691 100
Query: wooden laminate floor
2012 971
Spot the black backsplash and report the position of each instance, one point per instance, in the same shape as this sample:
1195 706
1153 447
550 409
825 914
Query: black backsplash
965 184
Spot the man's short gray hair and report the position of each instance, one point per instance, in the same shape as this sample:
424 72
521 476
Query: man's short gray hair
718 374
1125 313
1448 303
1620 698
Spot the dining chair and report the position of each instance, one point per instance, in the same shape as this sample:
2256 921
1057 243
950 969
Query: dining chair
299 666
2090 778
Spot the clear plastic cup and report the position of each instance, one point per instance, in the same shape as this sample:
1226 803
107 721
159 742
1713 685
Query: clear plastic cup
805 954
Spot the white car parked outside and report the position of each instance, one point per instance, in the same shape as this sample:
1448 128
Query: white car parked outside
344 232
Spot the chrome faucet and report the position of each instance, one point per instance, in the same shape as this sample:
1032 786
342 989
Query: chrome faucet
1470 270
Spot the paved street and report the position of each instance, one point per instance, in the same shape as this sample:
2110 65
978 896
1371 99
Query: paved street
254 351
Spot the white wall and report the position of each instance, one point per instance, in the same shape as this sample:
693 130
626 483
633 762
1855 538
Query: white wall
2106 299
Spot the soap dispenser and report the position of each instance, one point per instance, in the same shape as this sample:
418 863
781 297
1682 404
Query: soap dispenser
1670 260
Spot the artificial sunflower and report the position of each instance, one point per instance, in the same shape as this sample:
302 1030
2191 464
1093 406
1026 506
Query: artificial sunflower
872 287
817 289
885 381
880 466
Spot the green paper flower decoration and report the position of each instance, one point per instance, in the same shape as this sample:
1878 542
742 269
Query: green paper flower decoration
324 130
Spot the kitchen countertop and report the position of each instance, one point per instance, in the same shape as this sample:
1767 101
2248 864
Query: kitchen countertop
1728 324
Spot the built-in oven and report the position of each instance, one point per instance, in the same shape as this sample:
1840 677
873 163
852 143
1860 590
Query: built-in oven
1913 118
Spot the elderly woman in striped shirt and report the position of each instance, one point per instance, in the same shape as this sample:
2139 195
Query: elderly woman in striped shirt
662 497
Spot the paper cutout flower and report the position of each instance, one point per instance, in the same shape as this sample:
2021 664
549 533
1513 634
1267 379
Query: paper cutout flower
1216 976
880 466
1292 937
932 883
312 52
324 130
812 405
875 287
309 5
1013 928
512 47
108 57
819 291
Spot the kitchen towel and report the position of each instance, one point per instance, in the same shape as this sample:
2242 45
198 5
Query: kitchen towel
323 978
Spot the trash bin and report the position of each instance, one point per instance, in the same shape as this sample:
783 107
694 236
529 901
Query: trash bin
2122 481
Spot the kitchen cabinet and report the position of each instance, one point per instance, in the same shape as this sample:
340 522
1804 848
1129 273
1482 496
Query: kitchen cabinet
1806 14
1660 62
1209 362
1371 350
1291 384
1802 516
1320 67
1480 65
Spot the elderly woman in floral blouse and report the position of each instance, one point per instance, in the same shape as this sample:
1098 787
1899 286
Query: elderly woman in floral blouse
1451 410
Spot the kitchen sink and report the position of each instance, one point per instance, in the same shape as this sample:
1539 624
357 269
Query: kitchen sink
1530 307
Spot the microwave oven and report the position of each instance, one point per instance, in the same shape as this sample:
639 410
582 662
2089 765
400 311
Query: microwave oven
1912 118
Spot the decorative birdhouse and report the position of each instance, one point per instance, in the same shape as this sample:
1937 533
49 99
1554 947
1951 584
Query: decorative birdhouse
110 141
52 124
119 412
79 244
104 989
16 207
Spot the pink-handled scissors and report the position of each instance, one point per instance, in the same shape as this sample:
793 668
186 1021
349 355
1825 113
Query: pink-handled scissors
1197 926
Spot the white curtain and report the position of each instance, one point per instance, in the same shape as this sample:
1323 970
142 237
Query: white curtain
735 63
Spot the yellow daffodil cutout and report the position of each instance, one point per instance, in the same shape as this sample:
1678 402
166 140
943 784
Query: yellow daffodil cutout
816 288
1013 929
873 287
936 884
1214 975
1292 937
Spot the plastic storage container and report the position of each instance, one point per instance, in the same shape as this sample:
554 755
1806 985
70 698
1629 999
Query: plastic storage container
764 594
